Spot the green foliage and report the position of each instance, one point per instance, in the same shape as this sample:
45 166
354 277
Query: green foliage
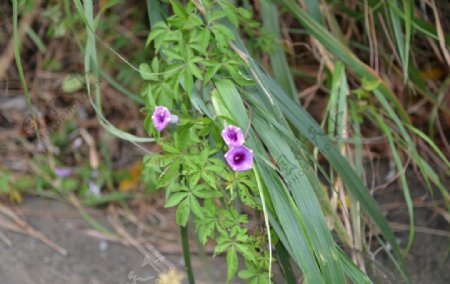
203 72
202 187
191 49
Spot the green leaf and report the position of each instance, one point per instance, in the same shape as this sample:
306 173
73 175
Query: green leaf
195 206
72 83
158 29
211 71
210 179
146 72
175 198
172 55
232 263
193 178
221 247
182 213
188 81
169 148
178 9
205 193
278 60
193 21
216 15
229 11
204 38
247 198
160 161
195 71
169 174
246 274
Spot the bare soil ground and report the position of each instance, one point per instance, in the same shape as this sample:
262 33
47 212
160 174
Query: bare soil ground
428 260
89 259
92 259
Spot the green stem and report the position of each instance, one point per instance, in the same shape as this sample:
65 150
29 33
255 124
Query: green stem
17 43
186 253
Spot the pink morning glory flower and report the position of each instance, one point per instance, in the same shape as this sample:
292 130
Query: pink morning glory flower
162 117
240 158
233 136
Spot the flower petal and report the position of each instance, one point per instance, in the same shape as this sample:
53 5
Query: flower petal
161 117
233 136
239 158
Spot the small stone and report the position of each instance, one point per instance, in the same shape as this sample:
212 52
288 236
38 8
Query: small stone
103 245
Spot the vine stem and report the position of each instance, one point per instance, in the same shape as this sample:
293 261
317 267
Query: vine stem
187 253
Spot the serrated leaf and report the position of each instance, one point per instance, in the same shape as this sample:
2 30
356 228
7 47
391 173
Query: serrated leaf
178 9
246 197
161 161
195 71
230 13
244 13
210 72
232 263
221 247
223 30
204 38
158 29
216 15
155 64
172 54
193 178
204 193
195 206
170 174
246 274
193 21
168 148
206 231
188 81
175 198
209 179
146 72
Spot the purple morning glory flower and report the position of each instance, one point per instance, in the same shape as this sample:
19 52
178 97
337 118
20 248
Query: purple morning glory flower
240 158
63 172
162 117
94 188
233 136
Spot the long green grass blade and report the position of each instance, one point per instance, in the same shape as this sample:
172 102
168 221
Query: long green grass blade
278 61
387 131
313 8
17 45
303 122
229 104
91 66
154 11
